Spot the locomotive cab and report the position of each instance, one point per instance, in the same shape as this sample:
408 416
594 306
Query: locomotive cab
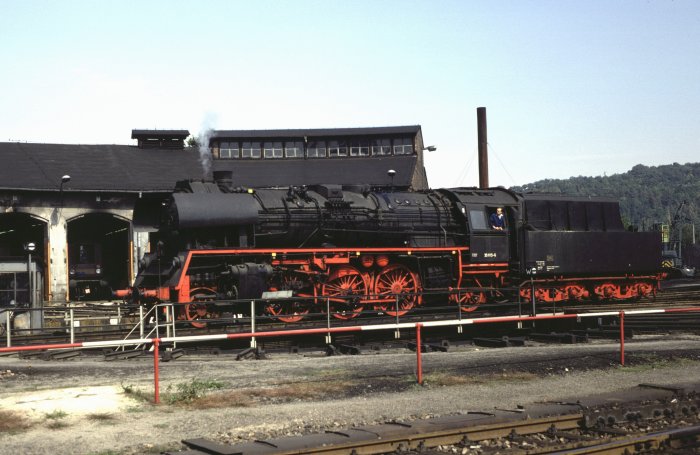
475 206
487 245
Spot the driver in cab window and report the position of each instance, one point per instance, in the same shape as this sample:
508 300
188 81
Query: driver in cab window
497 221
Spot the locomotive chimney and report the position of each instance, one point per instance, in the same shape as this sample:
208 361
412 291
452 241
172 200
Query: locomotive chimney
483 147
224 179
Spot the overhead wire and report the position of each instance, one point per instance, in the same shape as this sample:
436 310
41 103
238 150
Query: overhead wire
465 170
491 149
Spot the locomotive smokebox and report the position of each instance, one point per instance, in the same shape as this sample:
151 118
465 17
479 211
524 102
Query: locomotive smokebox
483 147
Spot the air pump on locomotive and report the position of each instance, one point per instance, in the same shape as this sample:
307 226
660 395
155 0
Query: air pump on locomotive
349 249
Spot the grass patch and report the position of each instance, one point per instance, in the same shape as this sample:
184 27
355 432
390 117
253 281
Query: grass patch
186 392
335 373
136 393
100 417
282 393
13 422
649 362
55 419
56 415
134 409
445 379
57 424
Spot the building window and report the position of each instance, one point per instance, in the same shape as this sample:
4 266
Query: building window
316 149
293 149
250 150
272 150
381 147
337 148
359 148
228 150
403 146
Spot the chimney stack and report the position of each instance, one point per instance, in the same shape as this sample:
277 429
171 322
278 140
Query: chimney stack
483 147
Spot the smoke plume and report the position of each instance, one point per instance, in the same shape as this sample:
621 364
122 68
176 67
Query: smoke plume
205 152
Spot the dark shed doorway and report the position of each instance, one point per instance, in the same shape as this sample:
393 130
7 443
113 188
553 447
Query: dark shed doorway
98 256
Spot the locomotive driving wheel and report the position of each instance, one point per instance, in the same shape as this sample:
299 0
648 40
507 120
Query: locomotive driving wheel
342 284
289 311
198 308
397 282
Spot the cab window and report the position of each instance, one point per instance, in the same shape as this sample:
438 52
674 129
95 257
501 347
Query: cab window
477 219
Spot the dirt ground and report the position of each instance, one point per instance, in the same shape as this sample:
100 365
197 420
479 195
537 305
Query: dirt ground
87 405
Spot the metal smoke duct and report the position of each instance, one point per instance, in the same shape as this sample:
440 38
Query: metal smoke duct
483 147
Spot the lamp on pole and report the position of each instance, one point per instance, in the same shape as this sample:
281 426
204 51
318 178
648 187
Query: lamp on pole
29 247
64 179
430 148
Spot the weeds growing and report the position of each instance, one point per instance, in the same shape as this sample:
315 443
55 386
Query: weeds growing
101 417
13 422
56 415
136 393
186 392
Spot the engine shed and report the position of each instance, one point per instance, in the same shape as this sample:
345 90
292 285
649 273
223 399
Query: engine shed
66 210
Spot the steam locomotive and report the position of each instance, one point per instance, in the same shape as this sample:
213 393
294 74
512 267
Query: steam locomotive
348 249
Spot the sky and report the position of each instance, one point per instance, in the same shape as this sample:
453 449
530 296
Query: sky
571 88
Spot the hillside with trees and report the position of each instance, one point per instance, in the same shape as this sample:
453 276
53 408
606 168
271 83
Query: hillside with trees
647 194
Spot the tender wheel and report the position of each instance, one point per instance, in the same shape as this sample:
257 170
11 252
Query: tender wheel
469 301
398 280
197 308
345 281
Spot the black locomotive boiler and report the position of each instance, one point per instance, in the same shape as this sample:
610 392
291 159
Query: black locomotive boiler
354 249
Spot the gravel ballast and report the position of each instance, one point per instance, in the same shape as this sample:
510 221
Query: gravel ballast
90 406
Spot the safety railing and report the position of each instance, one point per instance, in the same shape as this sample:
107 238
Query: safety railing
156 343
154 314
164 318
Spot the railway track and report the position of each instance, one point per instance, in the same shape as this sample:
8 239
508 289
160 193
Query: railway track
642 420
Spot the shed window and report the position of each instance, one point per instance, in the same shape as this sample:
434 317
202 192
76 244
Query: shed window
293 149
381 147
316 149
272 149
403 146
359 148
337 148
250 150
228 150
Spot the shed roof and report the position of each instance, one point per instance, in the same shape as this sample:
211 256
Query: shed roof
317 132
124 168
30 166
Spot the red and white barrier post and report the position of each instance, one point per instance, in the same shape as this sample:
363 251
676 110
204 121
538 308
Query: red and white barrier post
419 363
622 338
156 375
